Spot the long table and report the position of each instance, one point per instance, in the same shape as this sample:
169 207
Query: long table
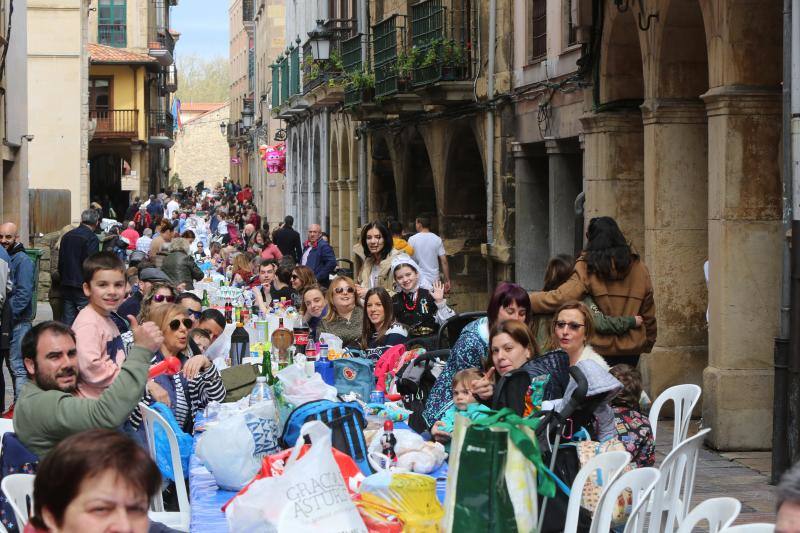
207 498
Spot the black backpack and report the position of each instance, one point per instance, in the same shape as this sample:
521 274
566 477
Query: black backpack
415 381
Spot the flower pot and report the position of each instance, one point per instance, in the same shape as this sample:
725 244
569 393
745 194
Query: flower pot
404 85
450 73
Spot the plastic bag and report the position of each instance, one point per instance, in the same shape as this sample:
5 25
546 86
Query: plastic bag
310 496
333 342
298 388
232 449
163 452
387 497
413 452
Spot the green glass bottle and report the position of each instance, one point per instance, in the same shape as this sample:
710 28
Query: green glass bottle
266 364
205 303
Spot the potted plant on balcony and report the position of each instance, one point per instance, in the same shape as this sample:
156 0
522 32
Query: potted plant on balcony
405 64
453 59
362 81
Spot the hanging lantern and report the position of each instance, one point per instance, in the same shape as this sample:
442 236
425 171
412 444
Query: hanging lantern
276 159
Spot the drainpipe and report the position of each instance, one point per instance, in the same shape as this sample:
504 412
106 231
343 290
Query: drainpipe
780 449
794 322
362 134
490 141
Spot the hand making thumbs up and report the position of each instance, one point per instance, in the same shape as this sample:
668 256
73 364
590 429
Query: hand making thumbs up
146 335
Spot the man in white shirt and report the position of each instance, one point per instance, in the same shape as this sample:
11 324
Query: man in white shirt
143 242
172 206
429 253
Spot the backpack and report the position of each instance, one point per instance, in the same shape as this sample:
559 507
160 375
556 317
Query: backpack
415 380
347 423
353 374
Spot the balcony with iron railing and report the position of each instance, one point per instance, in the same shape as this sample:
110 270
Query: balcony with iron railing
115 123
247 11
390 57
161 45
441 41
359 82
160 127
319 72
171 78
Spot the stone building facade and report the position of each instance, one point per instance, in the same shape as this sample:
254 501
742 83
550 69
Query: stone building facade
200 152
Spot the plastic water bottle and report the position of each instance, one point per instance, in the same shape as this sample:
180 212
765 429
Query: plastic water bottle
261 391
323 366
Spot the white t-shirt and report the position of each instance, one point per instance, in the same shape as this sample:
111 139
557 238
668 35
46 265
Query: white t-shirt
172 205
427 249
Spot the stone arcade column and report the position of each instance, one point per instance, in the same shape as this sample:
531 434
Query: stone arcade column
531 219
676 239
613 170
564 186
744 128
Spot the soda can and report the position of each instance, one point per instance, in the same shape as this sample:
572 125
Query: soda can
377 396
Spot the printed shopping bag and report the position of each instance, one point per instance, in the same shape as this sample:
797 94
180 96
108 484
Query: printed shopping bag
494 473
310 496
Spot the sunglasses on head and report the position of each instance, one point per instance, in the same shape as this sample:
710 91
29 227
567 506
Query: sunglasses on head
176 324
573 326
340 290
162 298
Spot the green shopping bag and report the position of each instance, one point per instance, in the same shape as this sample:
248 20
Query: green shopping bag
494 475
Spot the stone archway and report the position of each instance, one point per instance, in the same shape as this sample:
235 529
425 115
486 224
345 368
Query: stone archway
315 185
613 163
676 195
462 218
303 176
383 189
419 197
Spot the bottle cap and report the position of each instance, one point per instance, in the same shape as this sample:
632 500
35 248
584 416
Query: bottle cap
261 379
239 325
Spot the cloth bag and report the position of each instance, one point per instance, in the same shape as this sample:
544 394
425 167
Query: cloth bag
593 488
310 496
501 453
239 381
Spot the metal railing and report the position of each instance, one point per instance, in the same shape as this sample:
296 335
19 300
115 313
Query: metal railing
115 35
351 60
276 84
115 123
389 40
161 124
315 73
442 41
247 11
171 78
284 80
294 71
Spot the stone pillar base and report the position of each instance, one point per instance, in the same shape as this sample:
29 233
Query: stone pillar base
737 406
666 366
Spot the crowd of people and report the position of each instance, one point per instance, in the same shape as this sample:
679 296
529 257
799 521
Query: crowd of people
123 301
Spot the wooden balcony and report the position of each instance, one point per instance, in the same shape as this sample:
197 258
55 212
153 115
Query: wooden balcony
115 123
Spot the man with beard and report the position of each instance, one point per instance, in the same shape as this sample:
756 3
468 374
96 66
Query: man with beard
48 409
21 298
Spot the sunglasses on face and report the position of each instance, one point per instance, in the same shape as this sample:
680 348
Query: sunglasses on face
163 298
195 314
340 290
573 326
176 324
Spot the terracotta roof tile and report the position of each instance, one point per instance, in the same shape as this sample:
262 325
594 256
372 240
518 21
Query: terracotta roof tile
100 53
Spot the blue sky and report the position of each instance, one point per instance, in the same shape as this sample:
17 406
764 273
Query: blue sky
203 25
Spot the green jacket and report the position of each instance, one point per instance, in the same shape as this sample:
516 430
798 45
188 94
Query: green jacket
43 418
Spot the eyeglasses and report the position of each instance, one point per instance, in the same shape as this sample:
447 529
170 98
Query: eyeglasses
573 326
340 290
161 298
194 313
176 324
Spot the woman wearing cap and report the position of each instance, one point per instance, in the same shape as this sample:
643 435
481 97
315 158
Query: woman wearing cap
421 310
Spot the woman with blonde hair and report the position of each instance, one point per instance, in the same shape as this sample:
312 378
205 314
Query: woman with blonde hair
345 315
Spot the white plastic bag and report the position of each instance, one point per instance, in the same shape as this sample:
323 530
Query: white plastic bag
298 388
310 496
413 453
333 342
228 451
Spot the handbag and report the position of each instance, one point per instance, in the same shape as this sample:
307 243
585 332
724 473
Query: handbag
499 451
593 488
239 381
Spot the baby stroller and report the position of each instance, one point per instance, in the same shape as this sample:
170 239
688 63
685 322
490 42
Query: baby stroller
582 398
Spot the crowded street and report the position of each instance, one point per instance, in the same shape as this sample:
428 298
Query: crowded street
381 267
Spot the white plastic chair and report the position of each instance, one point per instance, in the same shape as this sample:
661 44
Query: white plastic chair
176 520
750 528
608 467
718 512
18 489
640 482
684 397
673 493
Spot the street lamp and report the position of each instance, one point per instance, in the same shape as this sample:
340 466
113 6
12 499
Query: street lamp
223 128
320 40
247 117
